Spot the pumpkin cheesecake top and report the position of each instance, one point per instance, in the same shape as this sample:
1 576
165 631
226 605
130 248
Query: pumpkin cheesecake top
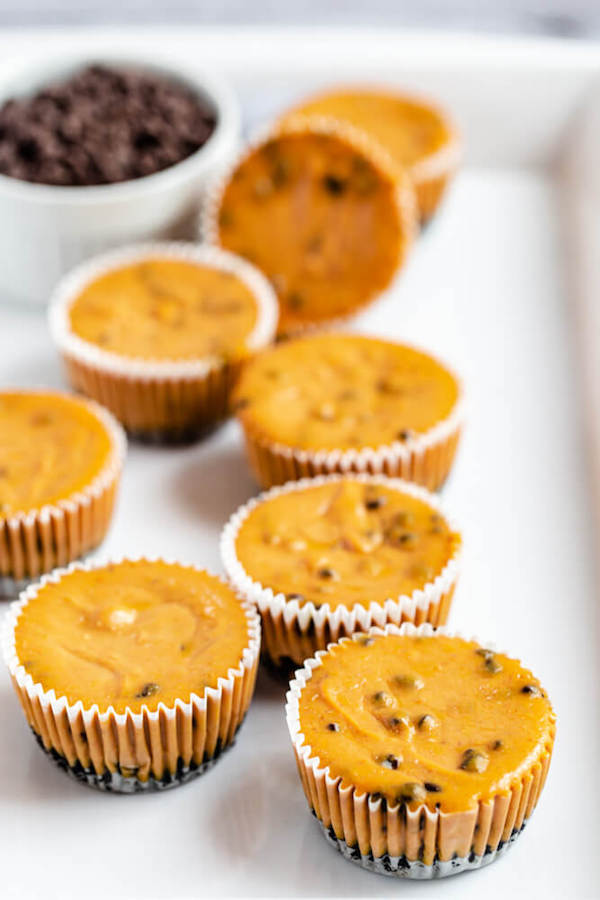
344 542
411 130
166 309
342 391
322 217
131 634
424 719
52 445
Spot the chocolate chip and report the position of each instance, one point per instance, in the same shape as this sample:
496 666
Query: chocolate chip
333 726
390 761
326 573
531 689
431 787
412 792
334 185
293 596
100 126
375 502
404 434
148 689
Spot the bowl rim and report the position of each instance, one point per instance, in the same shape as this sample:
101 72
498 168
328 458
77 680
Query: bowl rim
54 66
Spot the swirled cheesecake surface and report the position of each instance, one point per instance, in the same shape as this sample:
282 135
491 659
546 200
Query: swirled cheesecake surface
131 634
51 446
432 720
343 391
320 218
344 542
166 309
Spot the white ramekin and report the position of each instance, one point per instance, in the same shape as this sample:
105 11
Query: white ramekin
45 229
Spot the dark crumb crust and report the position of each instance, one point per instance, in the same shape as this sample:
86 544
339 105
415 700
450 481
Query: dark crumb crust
117 783
401 867
175 437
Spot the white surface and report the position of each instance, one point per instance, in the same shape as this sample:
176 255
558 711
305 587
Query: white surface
485 288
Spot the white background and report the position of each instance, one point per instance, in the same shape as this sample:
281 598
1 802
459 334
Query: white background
487 288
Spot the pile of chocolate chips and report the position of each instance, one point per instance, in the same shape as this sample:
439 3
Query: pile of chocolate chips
102 126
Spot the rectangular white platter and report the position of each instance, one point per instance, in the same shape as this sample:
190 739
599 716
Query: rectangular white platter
502 284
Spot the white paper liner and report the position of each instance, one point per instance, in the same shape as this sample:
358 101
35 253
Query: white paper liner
156 395
132 751
208 227
294 631
425 459
36 541
400 840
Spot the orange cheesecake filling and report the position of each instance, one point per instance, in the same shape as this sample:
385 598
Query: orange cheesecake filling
320 218
131 634
166 309
336 392
408 129
433 720
51 446
344 542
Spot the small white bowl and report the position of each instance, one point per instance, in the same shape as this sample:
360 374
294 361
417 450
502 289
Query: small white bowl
45 230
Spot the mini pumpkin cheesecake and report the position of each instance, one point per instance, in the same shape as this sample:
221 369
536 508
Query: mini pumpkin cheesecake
342 402
325 557
403 778
133 675
322 212
417 134
60 463
157 333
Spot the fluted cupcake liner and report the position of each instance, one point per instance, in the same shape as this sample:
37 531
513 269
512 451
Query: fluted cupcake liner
425 459
395 839
405 197
293 631
134 751
158 399
37 541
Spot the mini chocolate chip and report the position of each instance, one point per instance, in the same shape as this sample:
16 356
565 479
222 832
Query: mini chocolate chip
497 744
390 761
474 761
333 726
334 185
409 682
382 698
426 723
375 502
298 597
148 689
395 724
327 573
531 689
412 792
432 788
404 434
483 651
492 665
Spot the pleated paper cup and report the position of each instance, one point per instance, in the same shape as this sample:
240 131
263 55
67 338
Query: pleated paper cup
404 195
39 540
158 399
400 841
292 632
425 459
131 751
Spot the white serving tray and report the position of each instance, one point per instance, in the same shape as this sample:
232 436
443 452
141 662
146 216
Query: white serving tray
493 286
